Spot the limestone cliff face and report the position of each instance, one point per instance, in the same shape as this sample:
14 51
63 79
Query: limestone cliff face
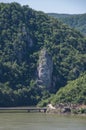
22 44
45 68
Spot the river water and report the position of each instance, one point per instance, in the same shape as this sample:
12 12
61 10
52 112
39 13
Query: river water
40 121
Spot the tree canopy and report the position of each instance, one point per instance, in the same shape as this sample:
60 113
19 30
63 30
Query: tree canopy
23 33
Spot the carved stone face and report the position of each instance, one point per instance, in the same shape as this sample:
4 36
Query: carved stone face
45 68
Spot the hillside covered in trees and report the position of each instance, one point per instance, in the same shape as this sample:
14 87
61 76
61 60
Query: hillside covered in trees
75 21
74 92
38 55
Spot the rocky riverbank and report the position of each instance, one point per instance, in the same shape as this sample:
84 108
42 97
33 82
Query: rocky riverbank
67 109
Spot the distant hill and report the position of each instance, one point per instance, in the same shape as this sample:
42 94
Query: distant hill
56 15
75 21
38 55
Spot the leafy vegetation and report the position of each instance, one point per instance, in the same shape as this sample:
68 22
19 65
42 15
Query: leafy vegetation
74 21
23 33
74 92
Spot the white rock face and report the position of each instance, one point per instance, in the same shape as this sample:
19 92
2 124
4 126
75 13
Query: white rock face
50 106
45 68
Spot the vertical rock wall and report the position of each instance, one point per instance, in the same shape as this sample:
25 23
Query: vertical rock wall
45 68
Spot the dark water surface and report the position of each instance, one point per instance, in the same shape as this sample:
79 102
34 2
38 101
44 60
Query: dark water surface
39 121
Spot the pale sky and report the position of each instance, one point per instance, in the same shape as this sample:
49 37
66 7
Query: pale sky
54 6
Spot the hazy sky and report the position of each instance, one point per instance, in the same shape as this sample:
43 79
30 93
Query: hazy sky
55 6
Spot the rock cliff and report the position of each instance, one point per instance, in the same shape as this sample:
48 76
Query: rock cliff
45 68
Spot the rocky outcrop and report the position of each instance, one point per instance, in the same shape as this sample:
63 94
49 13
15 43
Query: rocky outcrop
59 109
67 109
22 44
51 109
45 68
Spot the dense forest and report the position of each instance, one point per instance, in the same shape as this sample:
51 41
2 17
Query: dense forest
75 21
29 39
